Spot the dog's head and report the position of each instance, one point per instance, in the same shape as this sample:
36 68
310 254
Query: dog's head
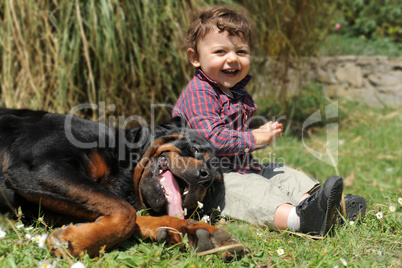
175 171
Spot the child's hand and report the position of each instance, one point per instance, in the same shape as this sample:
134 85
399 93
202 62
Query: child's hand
267 133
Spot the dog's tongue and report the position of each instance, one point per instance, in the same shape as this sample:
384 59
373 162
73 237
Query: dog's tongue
173 196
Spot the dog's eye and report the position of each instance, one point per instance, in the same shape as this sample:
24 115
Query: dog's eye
194 150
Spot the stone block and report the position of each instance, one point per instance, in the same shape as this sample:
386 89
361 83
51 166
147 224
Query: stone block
393 100
347 58
396 63
334 91
324 61
351 74
389 79
325 76
365 95
363 61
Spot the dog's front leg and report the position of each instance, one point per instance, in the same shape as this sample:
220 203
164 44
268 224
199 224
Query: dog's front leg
201 236
104 233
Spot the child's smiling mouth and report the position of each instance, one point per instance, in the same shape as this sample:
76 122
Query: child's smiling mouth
231 72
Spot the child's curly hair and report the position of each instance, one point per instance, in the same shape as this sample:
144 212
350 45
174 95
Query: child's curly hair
221 17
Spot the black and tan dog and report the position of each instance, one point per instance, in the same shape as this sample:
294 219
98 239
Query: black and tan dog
86 172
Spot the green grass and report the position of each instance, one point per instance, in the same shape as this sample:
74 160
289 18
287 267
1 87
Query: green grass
335 45
369 160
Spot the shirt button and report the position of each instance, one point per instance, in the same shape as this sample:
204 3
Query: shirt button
246 150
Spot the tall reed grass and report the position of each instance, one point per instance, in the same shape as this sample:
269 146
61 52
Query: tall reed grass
57 54
288 31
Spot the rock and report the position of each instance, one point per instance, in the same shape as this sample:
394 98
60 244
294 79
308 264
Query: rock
393 78
396 63
351 74
363 61
325 77
366 95
347 58
393 100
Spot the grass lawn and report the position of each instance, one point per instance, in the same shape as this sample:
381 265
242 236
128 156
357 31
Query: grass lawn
370 161
343 45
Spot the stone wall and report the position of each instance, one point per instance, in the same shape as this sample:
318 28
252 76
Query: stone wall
376 81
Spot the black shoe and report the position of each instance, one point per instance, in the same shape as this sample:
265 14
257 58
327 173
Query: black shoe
318 212
355 206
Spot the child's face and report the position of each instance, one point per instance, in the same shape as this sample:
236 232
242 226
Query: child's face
222 57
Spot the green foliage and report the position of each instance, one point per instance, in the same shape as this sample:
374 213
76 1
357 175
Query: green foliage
288 28
336 44
310 100
58 54
371 18
127 54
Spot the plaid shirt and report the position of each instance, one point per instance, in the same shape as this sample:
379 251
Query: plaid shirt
222 120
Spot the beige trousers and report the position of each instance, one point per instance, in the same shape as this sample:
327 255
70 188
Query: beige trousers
254 198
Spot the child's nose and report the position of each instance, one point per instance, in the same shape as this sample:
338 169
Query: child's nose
232 57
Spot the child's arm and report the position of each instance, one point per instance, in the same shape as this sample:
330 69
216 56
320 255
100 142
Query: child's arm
267 133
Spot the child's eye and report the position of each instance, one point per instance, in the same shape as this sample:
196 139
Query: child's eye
242 52
221 51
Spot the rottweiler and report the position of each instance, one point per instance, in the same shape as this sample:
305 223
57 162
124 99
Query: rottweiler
98 177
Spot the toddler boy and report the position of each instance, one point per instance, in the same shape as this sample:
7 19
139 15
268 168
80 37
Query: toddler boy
217 106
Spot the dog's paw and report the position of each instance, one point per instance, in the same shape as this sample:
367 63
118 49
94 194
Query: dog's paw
57 245
220 239
64 240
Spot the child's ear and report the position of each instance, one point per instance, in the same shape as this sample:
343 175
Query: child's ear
193 57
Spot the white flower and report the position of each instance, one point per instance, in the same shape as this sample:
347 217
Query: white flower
352 223
400 201
200 205
379 215
259 232
40 239
390 170
205 218
46 264
55 262
78 264
218 208
20 226
185 212
2 234
336 266
58 244
392 208
29 228
28 236
280 251
343 261
222 221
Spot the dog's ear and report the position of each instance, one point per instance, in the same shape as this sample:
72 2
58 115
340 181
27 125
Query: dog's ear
176 125
176 122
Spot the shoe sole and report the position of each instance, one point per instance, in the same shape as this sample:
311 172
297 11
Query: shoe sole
333 205
355 208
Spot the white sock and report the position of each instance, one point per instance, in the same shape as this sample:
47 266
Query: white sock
293 220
